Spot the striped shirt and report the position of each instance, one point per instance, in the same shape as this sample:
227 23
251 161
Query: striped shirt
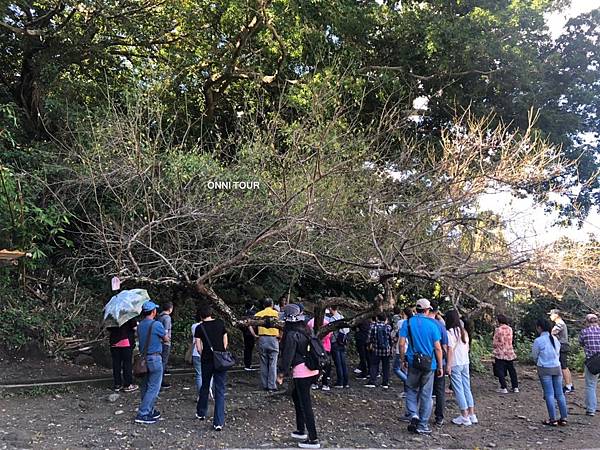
590 340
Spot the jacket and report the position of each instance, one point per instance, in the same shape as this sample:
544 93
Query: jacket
293 347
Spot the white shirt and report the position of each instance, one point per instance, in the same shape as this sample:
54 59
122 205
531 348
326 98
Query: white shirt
460 350
194 349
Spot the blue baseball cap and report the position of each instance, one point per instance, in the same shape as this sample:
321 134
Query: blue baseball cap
149 306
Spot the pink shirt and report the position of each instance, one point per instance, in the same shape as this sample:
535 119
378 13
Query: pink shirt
122 343
301 371
503 343
326 340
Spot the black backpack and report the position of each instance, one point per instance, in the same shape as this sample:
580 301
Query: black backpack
316 357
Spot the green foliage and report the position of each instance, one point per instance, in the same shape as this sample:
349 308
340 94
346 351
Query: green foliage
481 353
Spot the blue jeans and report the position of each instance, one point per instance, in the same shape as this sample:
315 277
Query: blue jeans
398 369
338 352
461 384
198 375
553 391
218 377
591 382
150 386
418 395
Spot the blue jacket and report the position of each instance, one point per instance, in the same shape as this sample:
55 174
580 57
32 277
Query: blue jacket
544 354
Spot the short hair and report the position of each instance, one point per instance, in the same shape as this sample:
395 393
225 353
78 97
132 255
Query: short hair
166 306
204 311
502 319
381 317
145 313
197 316
435 306
397 309
267 302
408 312
420 311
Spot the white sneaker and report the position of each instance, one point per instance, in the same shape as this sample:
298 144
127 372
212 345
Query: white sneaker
502 391
473 419
460 420
357 371
299 436
314 387
516 390
326 388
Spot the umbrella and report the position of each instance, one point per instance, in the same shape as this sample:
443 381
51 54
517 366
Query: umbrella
124 306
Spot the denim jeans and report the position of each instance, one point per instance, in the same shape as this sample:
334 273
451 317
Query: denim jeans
218 378
198 375
461 385
553 391
305 417
374 368
591 381
398 369
150 386
418 395
268 348
341 369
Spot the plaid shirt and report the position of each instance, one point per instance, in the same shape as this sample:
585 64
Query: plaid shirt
590 340
372 340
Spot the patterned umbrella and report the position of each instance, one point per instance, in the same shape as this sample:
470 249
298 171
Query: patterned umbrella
124 306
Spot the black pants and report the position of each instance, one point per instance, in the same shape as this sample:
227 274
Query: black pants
305 418
503 366
249 342
374 369
122 364
363 360
439 390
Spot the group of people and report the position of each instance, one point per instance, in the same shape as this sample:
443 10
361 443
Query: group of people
422 345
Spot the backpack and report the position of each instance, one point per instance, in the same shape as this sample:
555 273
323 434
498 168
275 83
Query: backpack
382 337
316 357
341 338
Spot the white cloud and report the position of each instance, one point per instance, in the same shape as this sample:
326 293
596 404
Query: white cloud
557 20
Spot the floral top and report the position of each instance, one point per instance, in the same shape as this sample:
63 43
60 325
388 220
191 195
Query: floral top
503 343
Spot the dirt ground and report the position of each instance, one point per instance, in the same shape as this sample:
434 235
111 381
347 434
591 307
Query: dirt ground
357 417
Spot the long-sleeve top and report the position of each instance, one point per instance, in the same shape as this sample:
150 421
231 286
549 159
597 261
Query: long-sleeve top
380 339
544 353
293 349
503 343
589 338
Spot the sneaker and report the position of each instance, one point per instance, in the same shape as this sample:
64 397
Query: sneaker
439 422
131 388
299 436
218 427
516 390
314 387
155 414
590 413
569 390
502 391
200 417
460 420
347 386
326 388
309 444
424 430
361 378
473 419
148 420
402 394
117 388
385 386
165 386
414 423
370 385
338 386
357 371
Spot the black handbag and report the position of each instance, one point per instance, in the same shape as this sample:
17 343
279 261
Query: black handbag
221 360
593 364
421 361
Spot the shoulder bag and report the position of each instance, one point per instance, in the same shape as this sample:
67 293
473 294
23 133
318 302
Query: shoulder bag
140 365
222 360
421 361
593 364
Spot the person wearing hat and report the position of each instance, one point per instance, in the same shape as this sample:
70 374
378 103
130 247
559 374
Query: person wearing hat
589 338
151 335
423 359
294 347
561 333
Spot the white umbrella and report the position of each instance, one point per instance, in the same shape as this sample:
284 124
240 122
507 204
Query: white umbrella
124 306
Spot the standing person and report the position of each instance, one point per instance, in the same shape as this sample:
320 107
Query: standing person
458 366
589 338
339 342
360 340
380 344
211 335
250 337
424 362
546 351
151 335
504 355
294 347
196 355
165 318
439 383
122 342
560 331
326 341
268 347
406 314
